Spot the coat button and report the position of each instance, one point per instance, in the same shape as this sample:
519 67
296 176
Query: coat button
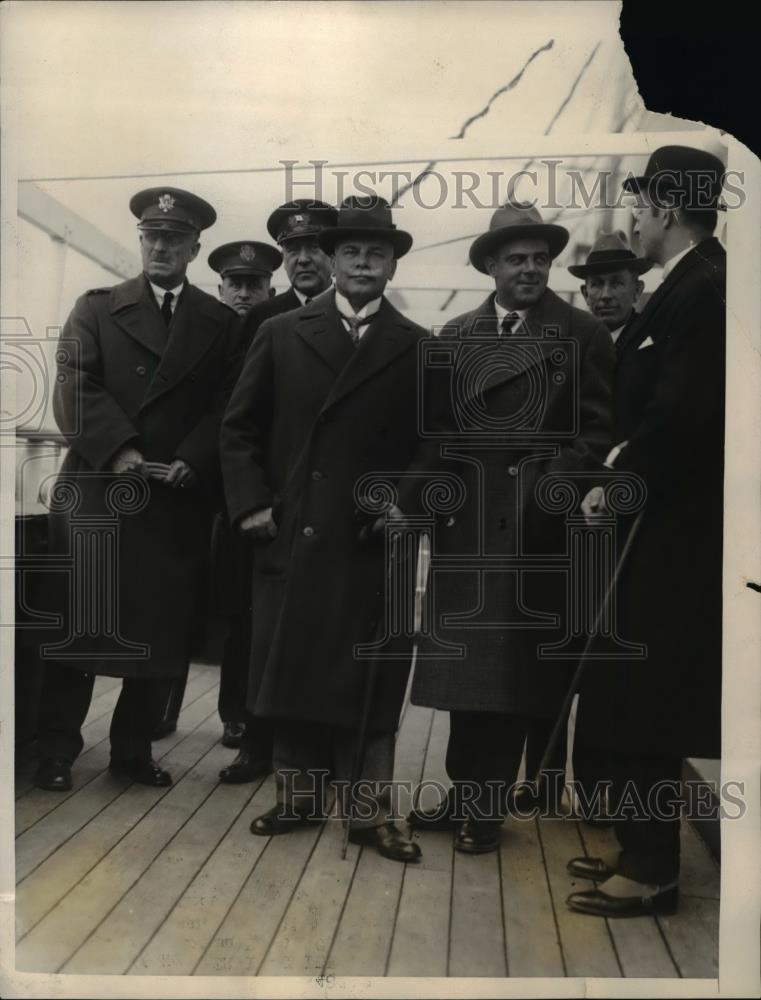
317 475
140 370
513 470
308 531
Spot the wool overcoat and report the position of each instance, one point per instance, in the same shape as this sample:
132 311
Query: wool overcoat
310 416
669 407
518 408
124 378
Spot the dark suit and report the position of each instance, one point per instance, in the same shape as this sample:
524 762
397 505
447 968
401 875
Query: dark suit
544 406
669 407
310 415
127 379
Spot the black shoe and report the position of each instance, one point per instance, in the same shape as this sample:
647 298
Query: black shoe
232 734
244 769
276 821
164 728
527 799
441 817
388 841
54 775
478 836
600 904
144 772
594 868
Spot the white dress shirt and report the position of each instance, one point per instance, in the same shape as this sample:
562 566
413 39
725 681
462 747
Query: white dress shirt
368 309
161 292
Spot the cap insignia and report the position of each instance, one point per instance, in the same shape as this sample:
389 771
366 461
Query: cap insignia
166 202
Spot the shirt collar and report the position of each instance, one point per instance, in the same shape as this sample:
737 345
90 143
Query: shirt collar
369 309
300 295
502 312
160 292
673 261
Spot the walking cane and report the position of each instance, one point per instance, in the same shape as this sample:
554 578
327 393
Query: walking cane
576 680
364 720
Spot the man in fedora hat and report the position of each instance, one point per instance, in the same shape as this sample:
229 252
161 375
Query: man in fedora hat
647 715
527 393
140 402
295 227
327 396
612 282
245 269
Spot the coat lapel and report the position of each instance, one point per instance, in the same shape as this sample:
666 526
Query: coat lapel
320 328
194 328
134 309
511 356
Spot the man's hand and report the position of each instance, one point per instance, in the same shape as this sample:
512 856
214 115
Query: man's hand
180 475
391 514
128 459
593 505
258 525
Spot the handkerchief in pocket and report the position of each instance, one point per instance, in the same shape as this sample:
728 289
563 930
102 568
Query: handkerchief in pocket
647 342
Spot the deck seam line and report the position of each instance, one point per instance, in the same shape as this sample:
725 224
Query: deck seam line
323 970
668 948
502 912
145 869
552 899
196 874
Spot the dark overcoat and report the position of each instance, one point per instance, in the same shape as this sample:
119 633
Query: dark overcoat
125 379
519 408
232 556
669 406
311 415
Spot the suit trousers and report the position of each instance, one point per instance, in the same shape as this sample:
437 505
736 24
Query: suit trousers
483 756
306 755
233 689
65 702
646 804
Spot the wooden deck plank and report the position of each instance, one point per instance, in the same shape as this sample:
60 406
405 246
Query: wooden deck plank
693 937
585 941
477 935
46 836
533 946
131 925
67 865
302 943
241 942
420 945
36 803
52 942
361 946
180 942
639 943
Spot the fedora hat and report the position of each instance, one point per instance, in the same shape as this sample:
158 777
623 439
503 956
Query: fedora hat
693 175
516 221
611 252
365 218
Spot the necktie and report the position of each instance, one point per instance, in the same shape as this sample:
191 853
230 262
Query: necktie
166 307
355 323
509 324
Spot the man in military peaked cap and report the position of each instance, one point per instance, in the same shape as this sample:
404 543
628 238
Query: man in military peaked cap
246 270
139 401
295 227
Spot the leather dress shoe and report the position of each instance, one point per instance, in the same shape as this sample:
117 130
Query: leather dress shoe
440 817
478 836
388 841
594 868
232 733
275 822
244 769
144 772
54 775
600 904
